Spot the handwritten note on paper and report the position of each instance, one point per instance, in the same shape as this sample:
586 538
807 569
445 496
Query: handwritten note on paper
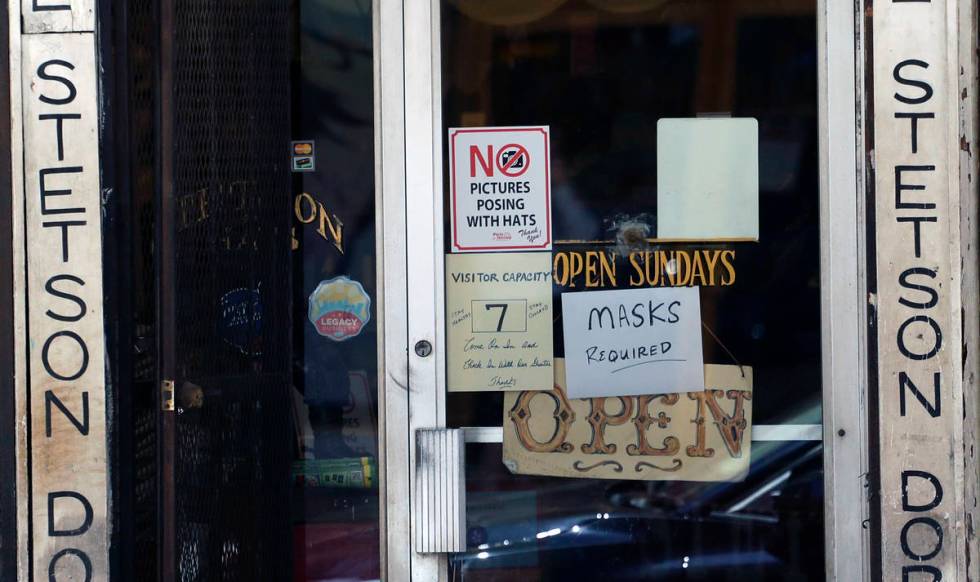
499 319
633 342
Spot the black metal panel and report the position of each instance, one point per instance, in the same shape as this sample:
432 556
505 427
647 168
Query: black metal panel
8 516
140 525
129 136
231 289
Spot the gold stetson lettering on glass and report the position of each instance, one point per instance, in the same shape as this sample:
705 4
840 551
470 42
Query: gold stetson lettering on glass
308 210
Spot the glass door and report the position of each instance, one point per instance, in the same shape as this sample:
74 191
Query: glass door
639 286
630 91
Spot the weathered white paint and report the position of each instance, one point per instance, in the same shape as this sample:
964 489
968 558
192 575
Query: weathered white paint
969 237
66 440
58 15
917 232
840 37
19 274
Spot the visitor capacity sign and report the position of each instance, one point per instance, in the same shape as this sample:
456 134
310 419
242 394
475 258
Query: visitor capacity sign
500 187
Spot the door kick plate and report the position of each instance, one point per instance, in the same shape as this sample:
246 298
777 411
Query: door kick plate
440 490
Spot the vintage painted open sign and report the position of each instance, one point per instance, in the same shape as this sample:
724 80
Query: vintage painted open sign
688 436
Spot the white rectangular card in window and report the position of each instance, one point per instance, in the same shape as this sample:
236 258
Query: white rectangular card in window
633 341
708 179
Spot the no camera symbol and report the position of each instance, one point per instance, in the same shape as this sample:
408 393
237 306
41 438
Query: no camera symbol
513 160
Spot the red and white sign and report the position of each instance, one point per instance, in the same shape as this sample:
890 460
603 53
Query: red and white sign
500 182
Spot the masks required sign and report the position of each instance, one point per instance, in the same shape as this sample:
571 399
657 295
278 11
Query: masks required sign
500 188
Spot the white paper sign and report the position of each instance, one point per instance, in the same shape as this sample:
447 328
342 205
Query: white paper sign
633 341
500 188
708 179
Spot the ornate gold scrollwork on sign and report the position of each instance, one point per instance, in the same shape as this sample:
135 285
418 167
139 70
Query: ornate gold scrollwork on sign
731 427
675 465
563 415
644 421
616 466
599 419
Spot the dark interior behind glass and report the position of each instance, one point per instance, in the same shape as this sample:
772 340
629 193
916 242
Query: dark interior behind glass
601 74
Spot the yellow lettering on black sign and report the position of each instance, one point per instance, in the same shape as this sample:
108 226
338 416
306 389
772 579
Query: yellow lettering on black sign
657 268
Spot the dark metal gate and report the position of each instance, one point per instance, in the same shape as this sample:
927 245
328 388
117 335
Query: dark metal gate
225 289
8 517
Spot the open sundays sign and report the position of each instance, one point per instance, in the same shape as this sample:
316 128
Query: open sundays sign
500 186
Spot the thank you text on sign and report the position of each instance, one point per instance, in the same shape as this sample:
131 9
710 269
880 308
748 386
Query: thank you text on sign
66 442
500 188
631 342
918 319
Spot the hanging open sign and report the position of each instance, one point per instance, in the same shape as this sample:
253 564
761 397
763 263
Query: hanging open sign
500 188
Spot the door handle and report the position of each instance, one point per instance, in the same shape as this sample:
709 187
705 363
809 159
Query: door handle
440 490
191 396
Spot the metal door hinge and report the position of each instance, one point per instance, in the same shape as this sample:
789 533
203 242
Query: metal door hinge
167 395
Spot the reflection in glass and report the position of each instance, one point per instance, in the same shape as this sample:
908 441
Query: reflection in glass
335 469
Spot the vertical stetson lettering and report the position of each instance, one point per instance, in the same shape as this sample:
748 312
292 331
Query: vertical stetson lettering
66 391
917 242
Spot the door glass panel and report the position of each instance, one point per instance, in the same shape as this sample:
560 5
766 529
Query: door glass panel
601 74
336 532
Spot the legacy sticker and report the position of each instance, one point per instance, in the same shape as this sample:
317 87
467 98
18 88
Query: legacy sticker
339 308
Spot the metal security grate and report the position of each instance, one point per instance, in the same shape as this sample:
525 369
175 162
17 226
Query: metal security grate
143 92
231 188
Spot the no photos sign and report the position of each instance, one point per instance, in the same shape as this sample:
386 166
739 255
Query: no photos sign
500 186
513 160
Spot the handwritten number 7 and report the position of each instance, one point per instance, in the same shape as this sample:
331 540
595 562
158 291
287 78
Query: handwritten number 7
503 313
